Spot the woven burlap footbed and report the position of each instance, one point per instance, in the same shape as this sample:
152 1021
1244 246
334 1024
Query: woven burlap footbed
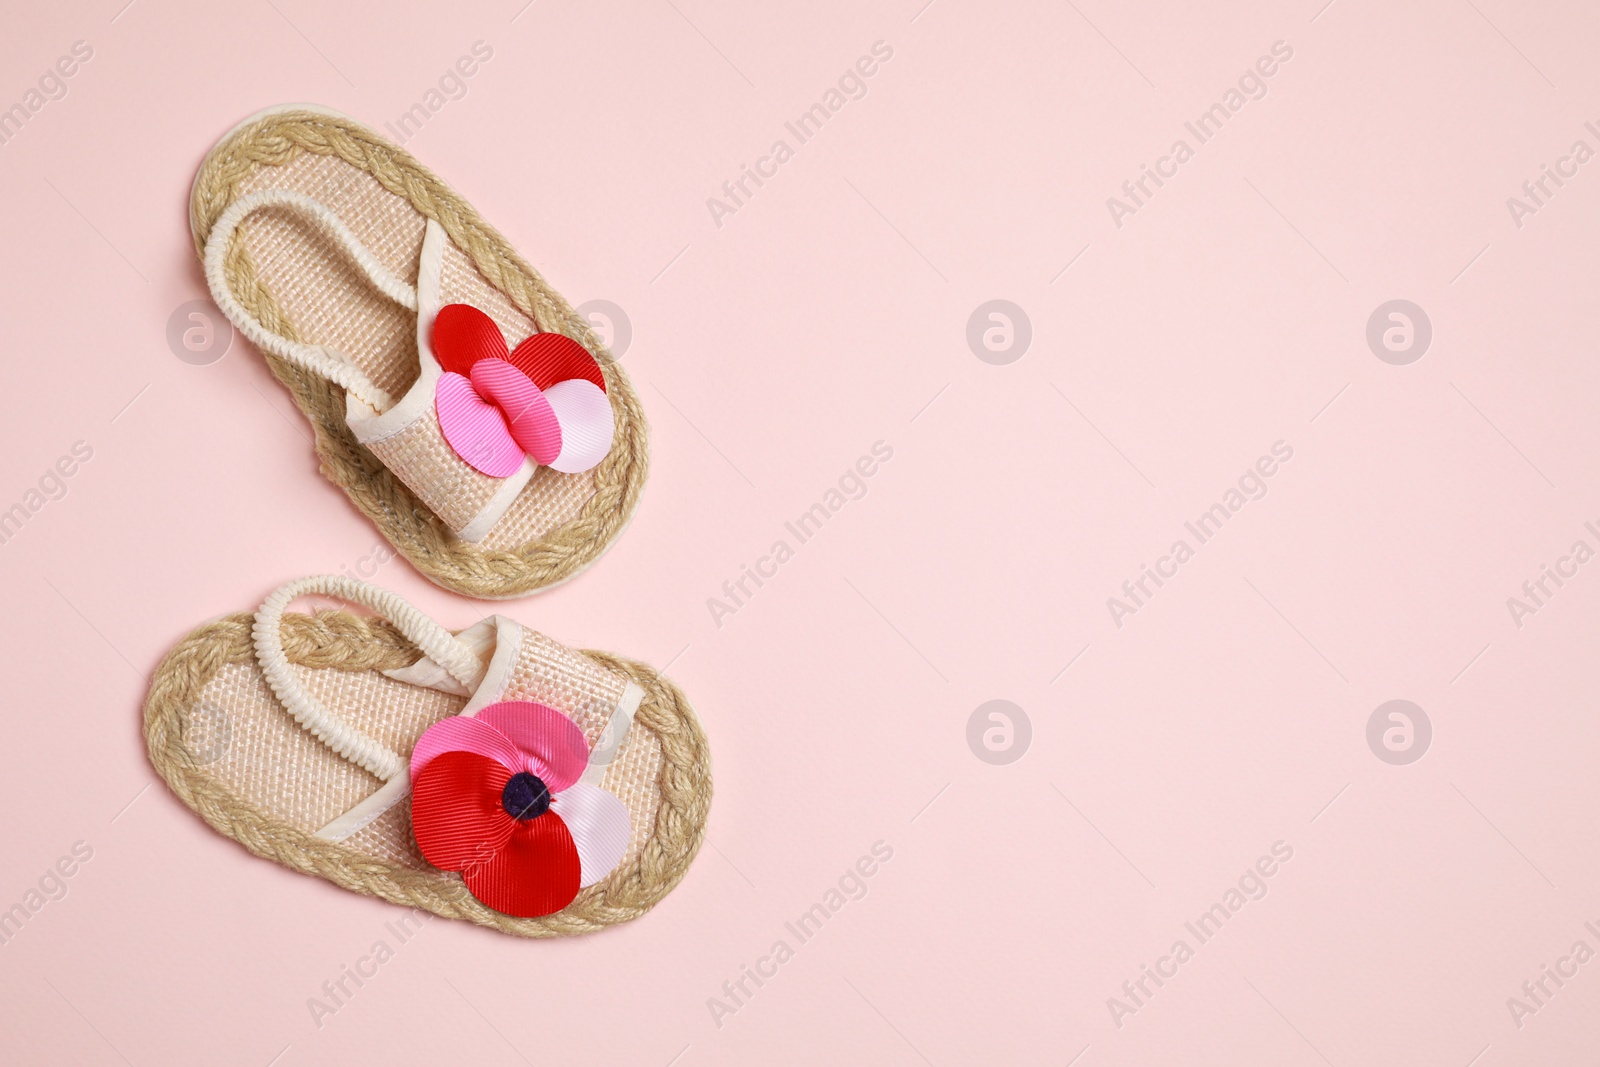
236 757
297 287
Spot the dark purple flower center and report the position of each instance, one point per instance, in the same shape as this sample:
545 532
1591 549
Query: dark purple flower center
525 796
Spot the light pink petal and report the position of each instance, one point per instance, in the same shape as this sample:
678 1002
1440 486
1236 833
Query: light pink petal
600 827
533 425
552 746
475 429
461 733
586 424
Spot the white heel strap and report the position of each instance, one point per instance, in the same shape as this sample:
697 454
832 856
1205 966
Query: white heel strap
437 643
316 358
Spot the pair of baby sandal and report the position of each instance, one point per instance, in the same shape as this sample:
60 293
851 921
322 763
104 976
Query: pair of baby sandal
490 774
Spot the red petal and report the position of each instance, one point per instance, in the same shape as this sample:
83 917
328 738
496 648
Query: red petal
548 358
456 811
536 873
462 335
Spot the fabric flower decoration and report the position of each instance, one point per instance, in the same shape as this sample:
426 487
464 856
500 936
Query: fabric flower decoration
496 796
546 400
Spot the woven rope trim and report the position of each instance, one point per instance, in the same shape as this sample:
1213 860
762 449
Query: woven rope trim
349 642
410 526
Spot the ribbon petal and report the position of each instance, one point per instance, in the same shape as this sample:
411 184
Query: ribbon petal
456 813
462 335
535 873
600 826
528 414
464 733
548 358
551 745
475 429
586 424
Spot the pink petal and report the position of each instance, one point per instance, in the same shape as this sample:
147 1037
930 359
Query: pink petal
586 424
600 826
524 406
551 745
461 733
475 429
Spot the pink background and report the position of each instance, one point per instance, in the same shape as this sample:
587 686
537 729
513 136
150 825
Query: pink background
830 312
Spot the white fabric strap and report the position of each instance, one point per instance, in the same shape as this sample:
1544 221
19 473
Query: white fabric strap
370 412
498 632
437 643
612 737
318 359
507 644
369 810
480 637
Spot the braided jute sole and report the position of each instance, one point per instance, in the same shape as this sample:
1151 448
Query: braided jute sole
416 533
341 640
